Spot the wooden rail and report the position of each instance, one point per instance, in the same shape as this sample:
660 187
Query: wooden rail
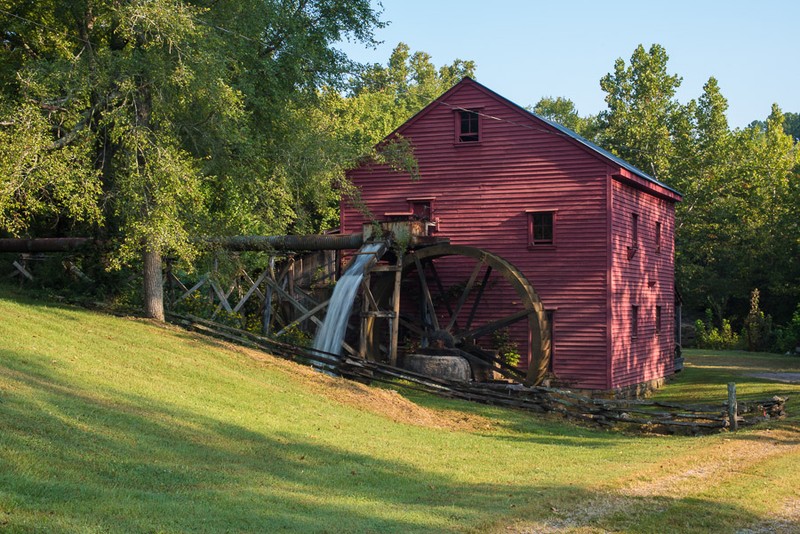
643 415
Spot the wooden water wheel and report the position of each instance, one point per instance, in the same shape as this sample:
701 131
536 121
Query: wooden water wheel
469 293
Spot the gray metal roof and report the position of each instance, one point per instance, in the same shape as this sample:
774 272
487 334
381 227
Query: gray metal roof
569 133
605 153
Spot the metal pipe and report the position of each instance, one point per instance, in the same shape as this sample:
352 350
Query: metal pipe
287 242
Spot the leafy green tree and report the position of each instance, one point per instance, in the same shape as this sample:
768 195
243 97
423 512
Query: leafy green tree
384 97
791 125
641 104
767 215
563 111
149 122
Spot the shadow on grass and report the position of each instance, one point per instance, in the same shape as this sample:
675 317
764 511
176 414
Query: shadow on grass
74 460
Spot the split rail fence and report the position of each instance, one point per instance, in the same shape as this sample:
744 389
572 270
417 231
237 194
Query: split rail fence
642 415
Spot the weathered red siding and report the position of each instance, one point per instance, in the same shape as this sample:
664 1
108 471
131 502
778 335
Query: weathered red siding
642 278
482 195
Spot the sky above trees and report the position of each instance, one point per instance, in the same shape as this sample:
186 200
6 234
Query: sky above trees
527 50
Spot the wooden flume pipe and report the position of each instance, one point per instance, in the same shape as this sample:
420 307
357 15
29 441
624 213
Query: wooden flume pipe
235 243
45 244
286 242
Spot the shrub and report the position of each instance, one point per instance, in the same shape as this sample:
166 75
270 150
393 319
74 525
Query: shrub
507 349
711 337
787 337
757 331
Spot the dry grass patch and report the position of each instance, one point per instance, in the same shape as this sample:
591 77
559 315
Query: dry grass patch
386 403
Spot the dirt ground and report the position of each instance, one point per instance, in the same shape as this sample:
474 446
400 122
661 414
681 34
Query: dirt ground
696 473
789 378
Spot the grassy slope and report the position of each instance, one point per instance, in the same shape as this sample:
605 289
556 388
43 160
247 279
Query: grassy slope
109 424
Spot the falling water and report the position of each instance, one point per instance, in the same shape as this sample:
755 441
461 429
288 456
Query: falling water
331 334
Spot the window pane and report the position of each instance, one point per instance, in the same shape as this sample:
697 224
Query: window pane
542 227
468 126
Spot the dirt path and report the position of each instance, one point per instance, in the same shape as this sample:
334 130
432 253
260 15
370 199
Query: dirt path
682 478
789 378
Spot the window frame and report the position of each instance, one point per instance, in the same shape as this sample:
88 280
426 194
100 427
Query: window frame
659 318
658 232
633 248
432 222
635 318
533 243
457 116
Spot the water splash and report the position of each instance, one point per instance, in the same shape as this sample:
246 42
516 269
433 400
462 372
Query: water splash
331 334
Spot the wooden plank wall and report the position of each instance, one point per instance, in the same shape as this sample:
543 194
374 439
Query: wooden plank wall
643 278
482 195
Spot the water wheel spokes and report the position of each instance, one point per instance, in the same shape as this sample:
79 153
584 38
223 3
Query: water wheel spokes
495 293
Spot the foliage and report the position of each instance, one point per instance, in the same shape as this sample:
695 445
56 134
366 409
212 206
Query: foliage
563 111
757 331
709 336
507 349
641 107
787 337
737 226
150 122
294 335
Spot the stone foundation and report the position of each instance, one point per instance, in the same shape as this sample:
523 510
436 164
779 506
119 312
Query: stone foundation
642 390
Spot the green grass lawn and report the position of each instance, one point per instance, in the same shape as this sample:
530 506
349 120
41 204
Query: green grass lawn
110 424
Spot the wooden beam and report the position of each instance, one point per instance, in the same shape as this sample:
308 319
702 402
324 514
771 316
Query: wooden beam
426 293
253 288
464 295
313 311
481 289
22 270
394 322
198 285
496 325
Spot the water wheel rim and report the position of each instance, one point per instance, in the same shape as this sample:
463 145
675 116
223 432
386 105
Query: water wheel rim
532 307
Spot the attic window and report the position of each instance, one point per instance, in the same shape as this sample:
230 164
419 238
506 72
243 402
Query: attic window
468 126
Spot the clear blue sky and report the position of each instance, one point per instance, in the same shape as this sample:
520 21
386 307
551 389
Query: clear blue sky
525 50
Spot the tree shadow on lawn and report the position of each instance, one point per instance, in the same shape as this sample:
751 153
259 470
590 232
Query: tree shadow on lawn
75 460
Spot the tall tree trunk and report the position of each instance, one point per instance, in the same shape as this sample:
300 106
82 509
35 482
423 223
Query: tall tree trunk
153 285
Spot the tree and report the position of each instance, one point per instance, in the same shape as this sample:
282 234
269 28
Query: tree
563 111
149 122
641 104
384 97
791 125
737 226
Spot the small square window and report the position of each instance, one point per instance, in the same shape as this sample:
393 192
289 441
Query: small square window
541 228
468 126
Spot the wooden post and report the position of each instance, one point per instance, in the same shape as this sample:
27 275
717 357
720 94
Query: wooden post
732 407
267 317
394 322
